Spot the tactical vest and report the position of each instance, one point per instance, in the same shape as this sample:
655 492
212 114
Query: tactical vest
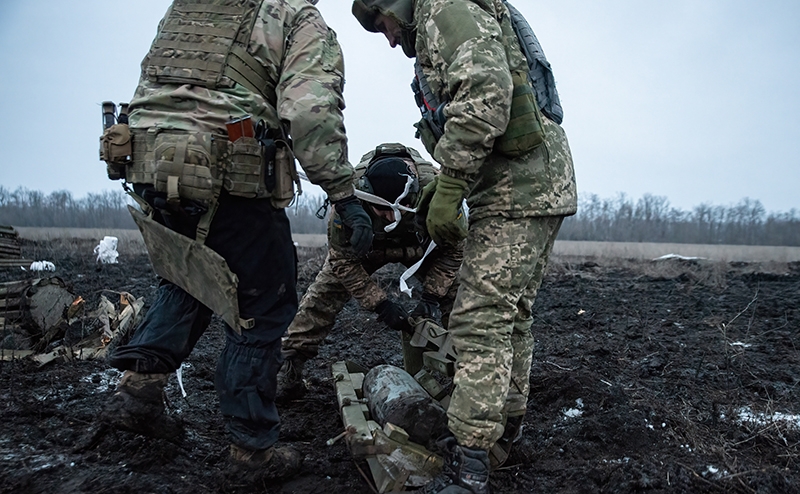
539 70
204 43
525 129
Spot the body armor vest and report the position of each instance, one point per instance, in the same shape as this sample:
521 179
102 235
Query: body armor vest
204 43
539 72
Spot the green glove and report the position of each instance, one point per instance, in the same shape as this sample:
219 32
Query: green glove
445 220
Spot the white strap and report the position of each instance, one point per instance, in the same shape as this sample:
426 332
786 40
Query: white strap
413 269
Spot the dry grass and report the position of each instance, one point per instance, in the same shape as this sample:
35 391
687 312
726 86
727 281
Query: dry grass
771 259
643 250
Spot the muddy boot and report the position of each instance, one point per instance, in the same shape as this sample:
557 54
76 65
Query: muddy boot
502 448
465 471
271 463
290 379
138 406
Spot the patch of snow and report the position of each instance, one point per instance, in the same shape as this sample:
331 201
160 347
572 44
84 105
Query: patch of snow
746 416
677 256
42 266
574 412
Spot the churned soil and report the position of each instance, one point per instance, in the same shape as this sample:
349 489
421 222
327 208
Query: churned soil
669 376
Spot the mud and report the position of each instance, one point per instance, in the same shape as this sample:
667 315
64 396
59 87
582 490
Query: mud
648 377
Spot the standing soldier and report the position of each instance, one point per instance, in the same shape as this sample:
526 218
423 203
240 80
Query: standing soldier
214 187
514 167
388 181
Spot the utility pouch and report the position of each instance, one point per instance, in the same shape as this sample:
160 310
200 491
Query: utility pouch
183 169
116 149
249 162
525 130
426 135
285 177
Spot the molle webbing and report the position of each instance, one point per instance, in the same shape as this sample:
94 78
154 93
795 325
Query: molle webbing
204 43
539 70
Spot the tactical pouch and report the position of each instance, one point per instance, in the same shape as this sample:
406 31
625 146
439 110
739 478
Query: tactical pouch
116 150
525 130
285 177
426 135
244 175
182 170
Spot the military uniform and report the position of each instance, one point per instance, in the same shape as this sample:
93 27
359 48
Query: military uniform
277 61
467 52
344 274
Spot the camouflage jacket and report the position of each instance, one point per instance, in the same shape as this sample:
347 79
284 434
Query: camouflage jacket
292 42
467 50
406 244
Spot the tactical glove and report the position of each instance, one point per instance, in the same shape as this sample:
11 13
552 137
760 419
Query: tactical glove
393 316
357 220
428 308
445 219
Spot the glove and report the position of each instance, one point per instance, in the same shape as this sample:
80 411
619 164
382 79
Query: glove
393 316
445 219
428 308
357 220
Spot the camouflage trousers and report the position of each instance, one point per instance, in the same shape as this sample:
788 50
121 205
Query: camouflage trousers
323 301
504 263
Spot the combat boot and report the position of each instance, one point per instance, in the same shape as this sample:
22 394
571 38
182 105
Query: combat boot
502 448
138 406
270 463
465 471
290 379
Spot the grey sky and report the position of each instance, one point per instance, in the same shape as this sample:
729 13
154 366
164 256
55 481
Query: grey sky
695 100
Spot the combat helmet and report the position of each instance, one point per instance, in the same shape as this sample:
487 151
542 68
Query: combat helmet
402 11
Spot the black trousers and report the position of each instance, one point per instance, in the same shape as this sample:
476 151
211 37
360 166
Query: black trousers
255 240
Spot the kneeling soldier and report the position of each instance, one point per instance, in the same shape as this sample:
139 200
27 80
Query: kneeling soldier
388 181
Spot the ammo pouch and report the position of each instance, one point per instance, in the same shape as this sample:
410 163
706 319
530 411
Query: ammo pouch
525 130
116 149
244 175
426 134
260 168
183 168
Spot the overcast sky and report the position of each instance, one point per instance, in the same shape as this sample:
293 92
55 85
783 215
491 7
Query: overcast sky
695 100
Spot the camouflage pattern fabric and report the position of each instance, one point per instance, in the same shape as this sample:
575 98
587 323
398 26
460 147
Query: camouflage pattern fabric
461 47
331 290
309 71
504 263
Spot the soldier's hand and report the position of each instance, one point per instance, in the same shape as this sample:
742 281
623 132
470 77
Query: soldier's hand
393 316
445 220
357 220
428 308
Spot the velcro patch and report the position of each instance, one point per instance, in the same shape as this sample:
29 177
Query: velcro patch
456 24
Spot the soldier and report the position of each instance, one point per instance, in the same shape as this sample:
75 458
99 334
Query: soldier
514 167
388 181
227 243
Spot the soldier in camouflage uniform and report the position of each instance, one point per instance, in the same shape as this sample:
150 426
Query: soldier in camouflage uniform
213 61
467 51
390 174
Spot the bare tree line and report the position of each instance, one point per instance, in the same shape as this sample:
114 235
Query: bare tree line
621 219
652 219
108 209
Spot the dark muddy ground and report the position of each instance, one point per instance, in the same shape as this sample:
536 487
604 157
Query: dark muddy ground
669 377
